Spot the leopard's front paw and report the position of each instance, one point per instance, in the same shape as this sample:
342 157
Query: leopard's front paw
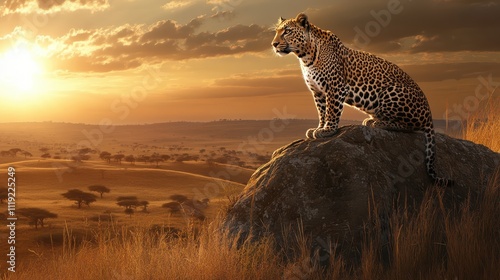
310 133
324 132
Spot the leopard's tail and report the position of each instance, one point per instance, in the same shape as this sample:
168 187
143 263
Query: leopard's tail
430 158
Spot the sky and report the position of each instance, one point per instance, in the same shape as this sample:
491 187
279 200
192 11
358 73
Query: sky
150 61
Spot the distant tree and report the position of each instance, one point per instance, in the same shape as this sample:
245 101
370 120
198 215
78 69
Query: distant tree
46 156
44 150
76 158
84 151
129 202
82 154
130 158
99 189
181 158
174 206
106 156
14 151
179 198
143 158
165 157
36 215
4 194
85 157
144 205
155 157
129 212
202 151
5 154
26 154
80 197
127 197
118 158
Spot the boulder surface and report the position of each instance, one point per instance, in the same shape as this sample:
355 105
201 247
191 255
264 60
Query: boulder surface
329 185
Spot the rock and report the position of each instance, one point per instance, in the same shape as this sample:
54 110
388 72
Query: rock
328 184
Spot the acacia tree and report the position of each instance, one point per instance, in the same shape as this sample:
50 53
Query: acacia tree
26 154
129 212
14 151
105 156
118 158
155 157
5 153
128 201
36 216
130 158
80 197
179 198
144 204
99 189
46 155
143 158
174 206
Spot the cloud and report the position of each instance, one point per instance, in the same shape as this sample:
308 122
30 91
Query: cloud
224 5
129 46
452 71
176 4
46 6
252 86
432 26
277 83
223 15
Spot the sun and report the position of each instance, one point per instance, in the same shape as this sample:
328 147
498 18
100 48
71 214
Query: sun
19 73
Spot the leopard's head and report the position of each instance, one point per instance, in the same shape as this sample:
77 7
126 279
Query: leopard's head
292 35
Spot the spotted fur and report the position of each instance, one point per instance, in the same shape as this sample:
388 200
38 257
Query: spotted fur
337 75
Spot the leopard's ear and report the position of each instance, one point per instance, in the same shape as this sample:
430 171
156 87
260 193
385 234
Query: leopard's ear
280 20
302 20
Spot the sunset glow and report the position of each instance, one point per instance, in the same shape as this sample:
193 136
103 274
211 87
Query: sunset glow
208 60
19 73
168 139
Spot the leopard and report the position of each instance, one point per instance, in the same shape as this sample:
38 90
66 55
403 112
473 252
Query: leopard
338 75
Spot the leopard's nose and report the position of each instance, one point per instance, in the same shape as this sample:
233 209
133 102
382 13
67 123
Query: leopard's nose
275 44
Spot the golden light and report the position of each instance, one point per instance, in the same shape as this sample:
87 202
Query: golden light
19 72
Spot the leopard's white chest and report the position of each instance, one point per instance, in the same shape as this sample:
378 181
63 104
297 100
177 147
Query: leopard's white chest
312 79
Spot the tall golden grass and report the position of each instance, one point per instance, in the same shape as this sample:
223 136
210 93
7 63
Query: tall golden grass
431 243
483 126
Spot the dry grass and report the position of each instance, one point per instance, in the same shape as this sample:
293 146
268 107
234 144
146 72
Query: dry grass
483 126
431 243
138 253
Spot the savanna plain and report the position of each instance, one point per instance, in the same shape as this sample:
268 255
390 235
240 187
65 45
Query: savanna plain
151 198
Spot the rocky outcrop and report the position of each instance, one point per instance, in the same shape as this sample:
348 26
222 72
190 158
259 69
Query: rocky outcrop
327 184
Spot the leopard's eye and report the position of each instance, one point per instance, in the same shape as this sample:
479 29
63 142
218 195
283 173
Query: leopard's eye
287 31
